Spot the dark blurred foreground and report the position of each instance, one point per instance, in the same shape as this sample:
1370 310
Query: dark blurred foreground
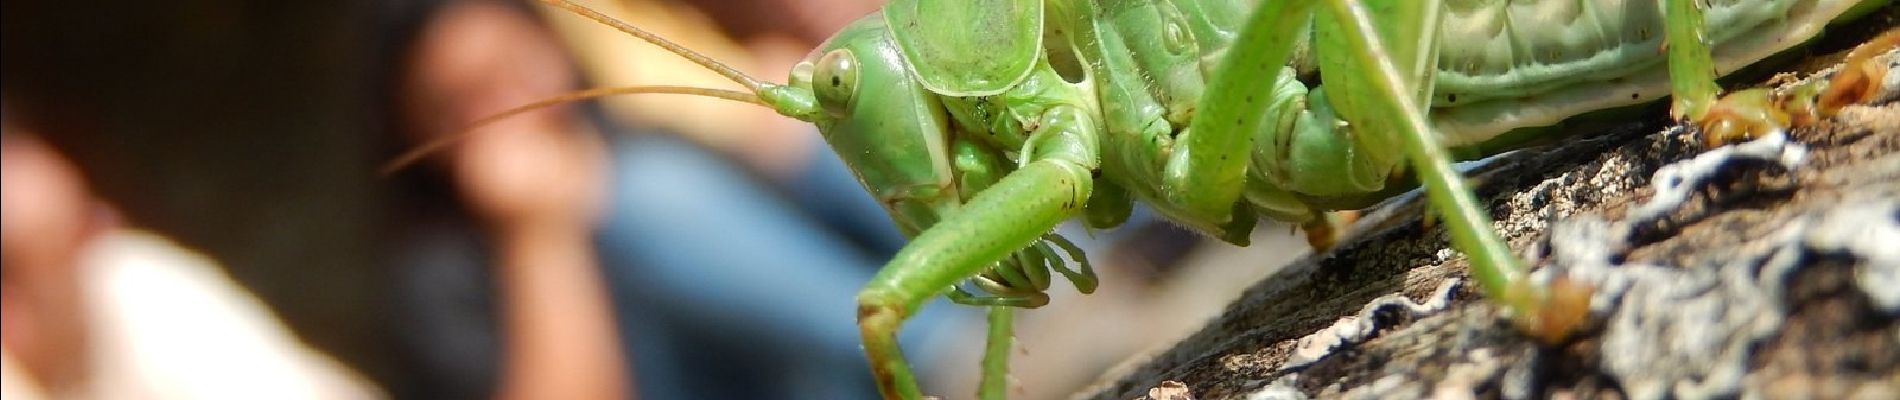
250 131
245 129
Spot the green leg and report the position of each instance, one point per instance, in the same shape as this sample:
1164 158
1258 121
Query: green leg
995 383
1206 173
1008 216
1741 115
1380 90
1752 113
1262 115
1691 72
1497 271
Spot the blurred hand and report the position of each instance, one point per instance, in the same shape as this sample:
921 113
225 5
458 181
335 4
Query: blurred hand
536 181
46 219
536 171
522 178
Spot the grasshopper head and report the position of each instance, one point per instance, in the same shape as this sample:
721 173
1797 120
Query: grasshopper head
894 135
887 128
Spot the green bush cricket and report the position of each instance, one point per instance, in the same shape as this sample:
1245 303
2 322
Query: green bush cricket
982 124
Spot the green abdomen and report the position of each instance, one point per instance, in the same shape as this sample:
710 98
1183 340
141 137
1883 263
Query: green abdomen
1520 64
1510 64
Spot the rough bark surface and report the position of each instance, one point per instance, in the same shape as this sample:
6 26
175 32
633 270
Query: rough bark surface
1762 270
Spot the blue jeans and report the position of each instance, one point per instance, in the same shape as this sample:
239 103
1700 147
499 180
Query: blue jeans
726 289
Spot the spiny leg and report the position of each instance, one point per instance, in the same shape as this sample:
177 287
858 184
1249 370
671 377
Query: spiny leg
995 381
994 384
1373 88
1388 93
1002 219
1380 91
1691 70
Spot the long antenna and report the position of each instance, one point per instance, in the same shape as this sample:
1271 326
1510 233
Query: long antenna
656 40
412 156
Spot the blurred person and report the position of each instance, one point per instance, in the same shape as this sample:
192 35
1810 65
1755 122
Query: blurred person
93 309
45 221
241 128
726 288
533 184
237 127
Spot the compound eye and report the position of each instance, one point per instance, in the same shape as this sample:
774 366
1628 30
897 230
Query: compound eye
836 81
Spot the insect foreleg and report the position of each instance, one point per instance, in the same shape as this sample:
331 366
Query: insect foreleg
1305 157
1308 147
1206 172
1010 215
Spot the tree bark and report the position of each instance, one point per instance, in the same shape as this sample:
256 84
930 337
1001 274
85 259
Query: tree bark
1759 269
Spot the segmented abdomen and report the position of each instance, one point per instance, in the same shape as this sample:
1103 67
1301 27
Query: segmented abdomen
1507 64
1497 48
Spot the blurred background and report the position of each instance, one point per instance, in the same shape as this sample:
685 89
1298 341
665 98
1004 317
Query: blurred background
192 209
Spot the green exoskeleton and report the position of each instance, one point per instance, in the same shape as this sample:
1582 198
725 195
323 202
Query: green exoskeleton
982 124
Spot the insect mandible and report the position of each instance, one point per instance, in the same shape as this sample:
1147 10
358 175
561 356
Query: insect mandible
982 124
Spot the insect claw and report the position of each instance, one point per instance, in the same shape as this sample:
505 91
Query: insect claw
1083 277
1860 76
1556 312
1754 113
1741 116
